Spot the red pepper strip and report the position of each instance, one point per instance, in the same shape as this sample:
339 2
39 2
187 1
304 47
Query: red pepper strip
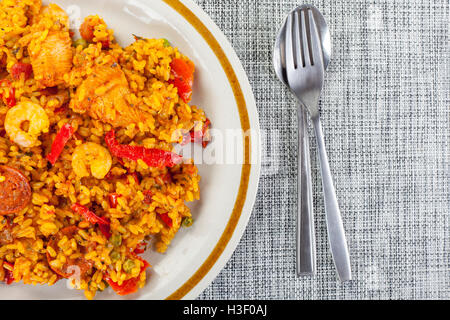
166 219
8 273
183 78
63 136
128 286
205 129
88 215
152 157
19 68
146 264
199 136
112 197
105 229
140 249
11 99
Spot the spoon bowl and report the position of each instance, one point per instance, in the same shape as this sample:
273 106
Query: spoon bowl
279 58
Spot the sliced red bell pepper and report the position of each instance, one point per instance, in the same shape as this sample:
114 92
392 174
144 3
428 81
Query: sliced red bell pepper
140 248
128 286
89 215
105 229
9 278
63 136
199 136
11 99
152 157
183 78
166 219
146 264
19 68
112 197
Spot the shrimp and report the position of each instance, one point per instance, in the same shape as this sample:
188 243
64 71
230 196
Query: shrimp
91 156
103 94
30 113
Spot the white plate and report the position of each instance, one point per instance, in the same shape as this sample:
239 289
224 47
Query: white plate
228 192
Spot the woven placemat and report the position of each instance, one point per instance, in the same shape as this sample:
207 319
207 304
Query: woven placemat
385 111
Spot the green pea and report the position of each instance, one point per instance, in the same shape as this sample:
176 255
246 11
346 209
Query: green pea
115 256
116 240
128 266
166 43
187 222
80 42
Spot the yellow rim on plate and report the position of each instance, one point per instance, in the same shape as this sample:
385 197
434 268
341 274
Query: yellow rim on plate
246 167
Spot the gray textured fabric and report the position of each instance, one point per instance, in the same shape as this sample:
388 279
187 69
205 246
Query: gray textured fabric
386 118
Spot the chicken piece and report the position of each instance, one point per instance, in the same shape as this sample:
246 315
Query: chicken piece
53 60
103 96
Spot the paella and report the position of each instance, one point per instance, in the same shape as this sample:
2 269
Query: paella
89 178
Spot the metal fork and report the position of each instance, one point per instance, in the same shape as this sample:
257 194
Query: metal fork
305 74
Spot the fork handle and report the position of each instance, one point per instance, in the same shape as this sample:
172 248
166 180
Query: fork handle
306 247
336 233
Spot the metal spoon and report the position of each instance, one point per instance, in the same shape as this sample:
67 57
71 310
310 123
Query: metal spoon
306 251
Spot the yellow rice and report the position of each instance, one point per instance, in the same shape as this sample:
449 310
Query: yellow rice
146 64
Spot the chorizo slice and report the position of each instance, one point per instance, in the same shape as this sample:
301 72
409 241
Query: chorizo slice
15 191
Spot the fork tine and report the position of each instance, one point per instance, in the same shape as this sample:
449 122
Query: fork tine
316 47
299 55
305 43
289 49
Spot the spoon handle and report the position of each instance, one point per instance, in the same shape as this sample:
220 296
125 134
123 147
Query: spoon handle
336 233
306 247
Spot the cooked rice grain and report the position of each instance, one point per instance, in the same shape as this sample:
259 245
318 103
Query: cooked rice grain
24 236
